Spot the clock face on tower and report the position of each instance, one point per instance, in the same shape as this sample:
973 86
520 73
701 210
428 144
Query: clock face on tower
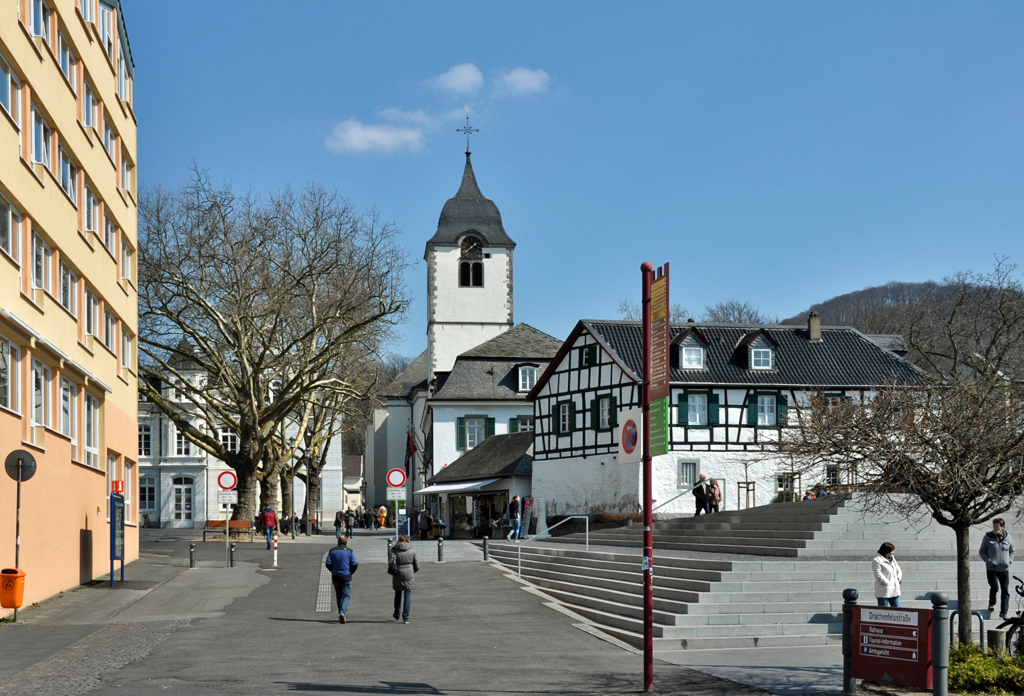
472 248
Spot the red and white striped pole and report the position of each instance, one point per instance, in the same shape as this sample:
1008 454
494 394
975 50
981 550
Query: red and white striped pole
275 550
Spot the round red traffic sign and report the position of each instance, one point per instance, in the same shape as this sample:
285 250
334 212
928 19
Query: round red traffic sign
396 478
227 480
629 436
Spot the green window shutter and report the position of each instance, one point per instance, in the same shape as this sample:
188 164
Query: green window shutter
781 404
683 410
513 425
555 424
613 412
572 416
712 409
752 409
489 428
592 355
595 413
461 436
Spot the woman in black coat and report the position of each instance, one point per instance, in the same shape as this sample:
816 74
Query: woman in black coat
402 566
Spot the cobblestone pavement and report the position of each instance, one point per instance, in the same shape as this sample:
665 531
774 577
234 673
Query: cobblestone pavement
80 667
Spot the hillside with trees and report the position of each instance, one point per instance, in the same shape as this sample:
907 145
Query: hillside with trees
874 310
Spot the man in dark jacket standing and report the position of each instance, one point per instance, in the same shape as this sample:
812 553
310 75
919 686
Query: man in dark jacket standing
341 561
515 516
268 518
402 566
997 552
701 494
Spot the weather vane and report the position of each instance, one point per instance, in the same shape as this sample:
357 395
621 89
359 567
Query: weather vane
467 130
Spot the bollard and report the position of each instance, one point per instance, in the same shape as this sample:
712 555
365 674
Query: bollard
940 644
232 554
997 641
275 550
390 543
850 596
192 556
487 554
440 550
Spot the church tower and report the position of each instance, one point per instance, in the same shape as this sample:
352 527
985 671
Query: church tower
469 276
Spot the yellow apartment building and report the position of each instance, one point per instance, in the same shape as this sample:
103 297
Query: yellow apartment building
68 299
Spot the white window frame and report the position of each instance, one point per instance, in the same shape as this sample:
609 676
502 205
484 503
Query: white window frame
111 475
145 440
126 261
527 378
761 358
147 493
66 60
42 134
785 482
92 431
109 233
68 288
129 468
68 176
92 306
10 229
42 261
126 173
604 413
475 426
89 10
109 138
91 106
229 439
106 17
10 91
687 473
92 209
40 19
123 79
697 409
10 359
564 416
68 399
109 330
126 350
42 375
182 445
767 413
693 358
527 424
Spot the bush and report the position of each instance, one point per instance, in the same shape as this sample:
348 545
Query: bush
972 671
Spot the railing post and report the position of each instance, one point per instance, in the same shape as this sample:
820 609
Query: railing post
587 520
487 555
850 596
440 550
232 554
940 644
519 559
191 555
981 627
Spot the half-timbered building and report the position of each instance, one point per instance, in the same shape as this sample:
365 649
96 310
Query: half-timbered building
733 389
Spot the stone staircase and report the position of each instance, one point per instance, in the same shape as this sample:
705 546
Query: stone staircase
727 597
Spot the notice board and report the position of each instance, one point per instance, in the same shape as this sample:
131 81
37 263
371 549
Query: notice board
893 646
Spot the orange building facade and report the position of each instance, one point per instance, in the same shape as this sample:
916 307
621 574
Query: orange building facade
68 298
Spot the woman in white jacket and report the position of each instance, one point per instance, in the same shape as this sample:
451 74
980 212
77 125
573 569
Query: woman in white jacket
888 576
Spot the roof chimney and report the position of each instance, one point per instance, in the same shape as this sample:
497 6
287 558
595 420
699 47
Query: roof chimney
814 327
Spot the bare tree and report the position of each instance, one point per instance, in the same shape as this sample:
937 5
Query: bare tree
736 312
271 301
952 446
631 311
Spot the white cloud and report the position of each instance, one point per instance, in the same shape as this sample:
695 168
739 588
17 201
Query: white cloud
355 136
420 117
522 81
460 79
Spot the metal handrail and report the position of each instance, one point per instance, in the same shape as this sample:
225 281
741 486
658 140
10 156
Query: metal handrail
519 559
653 510
952 627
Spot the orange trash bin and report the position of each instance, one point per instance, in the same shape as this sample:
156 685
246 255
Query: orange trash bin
12 588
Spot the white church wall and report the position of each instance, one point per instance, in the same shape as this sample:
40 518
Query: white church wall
471 305
449 341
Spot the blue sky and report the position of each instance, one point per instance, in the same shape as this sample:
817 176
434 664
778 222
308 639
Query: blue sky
780 153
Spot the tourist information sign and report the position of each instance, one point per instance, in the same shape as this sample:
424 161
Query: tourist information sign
116 534
893 646
659 360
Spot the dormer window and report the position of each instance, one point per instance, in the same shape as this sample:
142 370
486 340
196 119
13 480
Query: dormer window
527 378
761 358
471 265
693 358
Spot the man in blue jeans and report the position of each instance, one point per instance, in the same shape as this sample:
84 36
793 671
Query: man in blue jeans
997 551
342 563
515 516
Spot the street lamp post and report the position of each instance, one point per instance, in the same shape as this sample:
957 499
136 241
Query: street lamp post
309 509
291 455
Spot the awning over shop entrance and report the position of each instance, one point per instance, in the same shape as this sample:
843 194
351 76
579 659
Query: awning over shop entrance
461 487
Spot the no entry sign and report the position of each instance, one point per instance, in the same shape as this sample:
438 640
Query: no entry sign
396 478
227 480
893 646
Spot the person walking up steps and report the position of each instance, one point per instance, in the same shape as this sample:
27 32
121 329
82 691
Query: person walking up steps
515 517
341 561
888 576
997 552
268 519
402 566
702 496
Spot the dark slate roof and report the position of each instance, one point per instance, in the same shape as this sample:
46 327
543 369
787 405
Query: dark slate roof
496 457
891 342
351 464
469 211
843 358
412 377
489 371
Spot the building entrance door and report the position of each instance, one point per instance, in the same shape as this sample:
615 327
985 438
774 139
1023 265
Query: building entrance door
181 503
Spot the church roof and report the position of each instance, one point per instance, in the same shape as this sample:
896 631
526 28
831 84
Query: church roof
521 341
497 456
469 211
412 377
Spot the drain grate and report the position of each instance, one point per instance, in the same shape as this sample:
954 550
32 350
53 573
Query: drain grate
325 590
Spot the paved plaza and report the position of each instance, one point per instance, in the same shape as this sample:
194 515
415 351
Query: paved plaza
255 629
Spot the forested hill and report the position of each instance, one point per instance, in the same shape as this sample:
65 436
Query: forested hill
872 310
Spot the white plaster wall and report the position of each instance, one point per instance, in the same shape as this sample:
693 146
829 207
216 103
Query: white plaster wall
446 425
470 305
587 486
452 340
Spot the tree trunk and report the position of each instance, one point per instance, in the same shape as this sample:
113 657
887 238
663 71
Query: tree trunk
963 582
247 485
269 489
287 491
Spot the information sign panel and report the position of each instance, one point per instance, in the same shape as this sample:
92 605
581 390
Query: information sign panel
659 426
396 494
116 527
659 339
893 646
227 497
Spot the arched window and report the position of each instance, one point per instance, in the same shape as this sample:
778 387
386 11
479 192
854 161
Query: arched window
471 265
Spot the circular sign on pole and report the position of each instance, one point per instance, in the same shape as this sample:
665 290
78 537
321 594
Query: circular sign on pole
227 480
28 465
396 478
629 436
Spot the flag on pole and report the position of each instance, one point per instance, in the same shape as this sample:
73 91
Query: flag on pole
410 449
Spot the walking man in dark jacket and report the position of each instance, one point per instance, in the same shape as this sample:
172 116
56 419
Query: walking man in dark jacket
515 516
997 552
268 519
341 561
702 496
402 566
350 521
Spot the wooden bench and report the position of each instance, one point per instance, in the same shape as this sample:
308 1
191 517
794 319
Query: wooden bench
244 525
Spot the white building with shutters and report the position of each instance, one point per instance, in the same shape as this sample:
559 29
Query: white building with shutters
733 388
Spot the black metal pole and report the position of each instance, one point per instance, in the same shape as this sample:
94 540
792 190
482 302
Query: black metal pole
17 534
192 556
487 555
440 550
850 596
940 644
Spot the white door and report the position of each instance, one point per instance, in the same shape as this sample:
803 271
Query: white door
181 503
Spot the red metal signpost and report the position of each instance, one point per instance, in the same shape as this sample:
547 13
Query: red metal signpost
893 646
